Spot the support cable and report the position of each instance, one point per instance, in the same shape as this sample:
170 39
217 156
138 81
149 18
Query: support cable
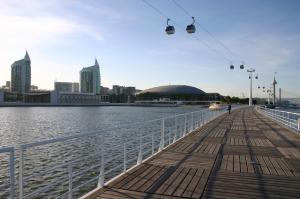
206 30
204 43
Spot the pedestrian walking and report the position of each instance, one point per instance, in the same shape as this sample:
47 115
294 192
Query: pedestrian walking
229 108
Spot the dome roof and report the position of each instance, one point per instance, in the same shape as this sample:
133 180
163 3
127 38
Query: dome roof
174 90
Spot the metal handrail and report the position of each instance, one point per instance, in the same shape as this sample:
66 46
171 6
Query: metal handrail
11 152
283 117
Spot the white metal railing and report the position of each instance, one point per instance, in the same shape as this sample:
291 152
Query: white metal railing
288 119
69 167
8 188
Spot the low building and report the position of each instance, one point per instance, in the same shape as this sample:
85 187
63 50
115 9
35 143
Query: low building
34 88
37 97
1 96
6 87
77 98
75 87
123 90
68 87
104 90
7 84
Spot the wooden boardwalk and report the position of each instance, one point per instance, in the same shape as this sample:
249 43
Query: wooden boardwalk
241 155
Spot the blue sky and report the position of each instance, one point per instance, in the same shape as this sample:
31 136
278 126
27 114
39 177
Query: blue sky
128 38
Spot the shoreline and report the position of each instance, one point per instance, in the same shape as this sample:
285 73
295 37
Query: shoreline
83 105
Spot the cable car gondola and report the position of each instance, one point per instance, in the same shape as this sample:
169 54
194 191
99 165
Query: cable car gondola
170 29
231 67
191 28
242 66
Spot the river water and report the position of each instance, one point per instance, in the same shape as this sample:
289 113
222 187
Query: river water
30 124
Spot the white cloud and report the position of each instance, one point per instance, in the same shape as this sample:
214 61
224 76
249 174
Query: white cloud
35 25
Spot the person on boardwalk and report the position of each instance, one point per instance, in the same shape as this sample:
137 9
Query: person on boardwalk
229 108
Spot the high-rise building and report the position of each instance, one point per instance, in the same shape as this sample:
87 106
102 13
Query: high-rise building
67 87
90 80
21 75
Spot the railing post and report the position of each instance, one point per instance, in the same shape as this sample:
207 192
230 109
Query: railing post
12 173
169 135
162 135
299 124
192 121
202 118
185 125
152 140
175 133
70 181
21 172
124 157
101 176
140 155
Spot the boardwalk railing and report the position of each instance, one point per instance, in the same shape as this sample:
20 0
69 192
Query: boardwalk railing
69 167
8 185
288 119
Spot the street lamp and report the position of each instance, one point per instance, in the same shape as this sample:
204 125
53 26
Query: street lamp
251 71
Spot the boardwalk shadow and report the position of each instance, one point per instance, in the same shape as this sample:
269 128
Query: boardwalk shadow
217 167
167 174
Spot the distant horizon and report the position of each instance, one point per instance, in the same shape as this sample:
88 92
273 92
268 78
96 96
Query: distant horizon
132 48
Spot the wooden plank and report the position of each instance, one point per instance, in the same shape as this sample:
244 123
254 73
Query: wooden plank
169 181
243 163
185 183
177 181
192 186
236 165
256 170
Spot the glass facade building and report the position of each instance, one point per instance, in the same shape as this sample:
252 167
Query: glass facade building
90 80
21 75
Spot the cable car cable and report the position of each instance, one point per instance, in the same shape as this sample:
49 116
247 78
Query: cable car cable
165 16
205 29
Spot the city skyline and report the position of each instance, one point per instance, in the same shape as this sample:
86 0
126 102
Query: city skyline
62 36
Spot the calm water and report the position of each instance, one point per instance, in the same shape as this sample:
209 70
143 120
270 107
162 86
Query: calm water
30 124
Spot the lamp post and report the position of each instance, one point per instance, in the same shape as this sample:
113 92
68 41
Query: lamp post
251 71
274 89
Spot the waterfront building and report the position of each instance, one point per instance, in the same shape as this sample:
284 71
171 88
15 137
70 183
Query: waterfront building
123 90
21 75
90 79
75 87
37 97
6 87
77 98
71 87
1 96
7 84
104 90
34 88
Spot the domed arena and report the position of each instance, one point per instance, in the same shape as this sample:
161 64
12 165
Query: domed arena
173 90
176 93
